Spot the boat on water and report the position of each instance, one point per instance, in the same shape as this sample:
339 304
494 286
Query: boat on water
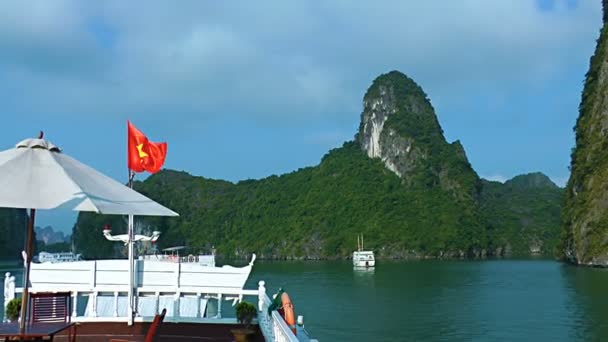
119 298
43 257
361 257
196 296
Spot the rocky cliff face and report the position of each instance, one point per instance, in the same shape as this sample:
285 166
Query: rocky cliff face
392 95
585 214
399 126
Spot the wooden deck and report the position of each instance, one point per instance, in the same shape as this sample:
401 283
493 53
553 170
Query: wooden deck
169 331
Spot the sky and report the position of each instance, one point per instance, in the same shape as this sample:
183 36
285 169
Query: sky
244 90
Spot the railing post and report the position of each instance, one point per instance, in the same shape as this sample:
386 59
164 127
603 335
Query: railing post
157 303
261 294
219 306
176 304
75 305
115 303
199 314
94 313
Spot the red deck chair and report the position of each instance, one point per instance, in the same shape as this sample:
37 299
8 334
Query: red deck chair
51 307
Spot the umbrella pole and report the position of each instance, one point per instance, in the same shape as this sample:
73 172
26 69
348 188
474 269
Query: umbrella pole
28 261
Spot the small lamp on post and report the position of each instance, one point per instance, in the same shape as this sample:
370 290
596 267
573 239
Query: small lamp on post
107 233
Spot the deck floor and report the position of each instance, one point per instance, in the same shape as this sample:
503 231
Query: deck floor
169 331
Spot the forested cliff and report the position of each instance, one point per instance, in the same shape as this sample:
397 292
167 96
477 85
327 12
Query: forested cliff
584 216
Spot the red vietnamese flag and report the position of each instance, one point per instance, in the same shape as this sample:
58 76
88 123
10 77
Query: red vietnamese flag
144 155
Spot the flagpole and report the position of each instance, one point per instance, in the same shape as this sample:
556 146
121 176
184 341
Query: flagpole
142 154
131 259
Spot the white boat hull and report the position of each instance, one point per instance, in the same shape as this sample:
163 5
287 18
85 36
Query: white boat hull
364 263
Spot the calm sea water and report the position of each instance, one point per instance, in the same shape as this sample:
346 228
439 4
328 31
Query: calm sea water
502 300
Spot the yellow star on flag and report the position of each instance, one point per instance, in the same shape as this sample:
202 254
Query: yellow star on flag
142 154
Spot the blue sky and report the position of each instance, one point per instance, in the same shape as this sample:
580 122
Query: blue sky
247 89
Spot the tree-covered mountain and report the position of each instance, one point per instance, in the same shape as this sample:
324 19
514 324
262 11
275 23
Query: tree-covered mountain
12 239
584 217
523 214
399 183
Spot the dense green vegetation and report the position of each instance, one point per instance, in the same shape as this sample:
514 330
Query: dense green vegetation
54 247
313 212
13 228
523 213
584 217
438 208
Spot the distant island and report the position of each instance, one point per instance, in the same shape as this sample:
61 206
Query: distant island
49 236
399 182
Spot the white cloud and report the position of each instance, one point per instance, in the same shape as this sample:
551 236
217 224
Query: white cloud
496 178
274 59
560 181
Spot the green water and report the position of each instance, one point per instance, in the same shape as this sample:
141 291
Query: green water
502 300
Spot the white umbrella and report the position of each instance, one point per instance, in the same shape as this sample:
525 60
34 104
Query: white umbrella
36 175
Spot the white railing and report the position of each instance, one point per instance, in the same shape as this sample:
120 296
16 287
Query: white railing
153 275
105 304
272 325
281 331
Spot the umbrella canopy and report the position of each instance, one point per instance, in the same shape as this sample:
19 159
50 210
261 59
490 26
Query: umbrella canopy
36 174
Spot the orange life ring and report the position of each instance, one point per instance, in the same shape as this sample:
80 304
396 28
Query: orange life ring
290 316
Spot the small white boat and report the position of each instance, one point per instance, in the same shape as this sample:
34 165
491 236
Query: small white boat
58 257
362 258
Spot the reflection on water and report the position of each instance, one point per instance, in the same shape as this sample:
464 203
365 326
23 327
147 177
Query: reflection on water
588 301
364 270
364 277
